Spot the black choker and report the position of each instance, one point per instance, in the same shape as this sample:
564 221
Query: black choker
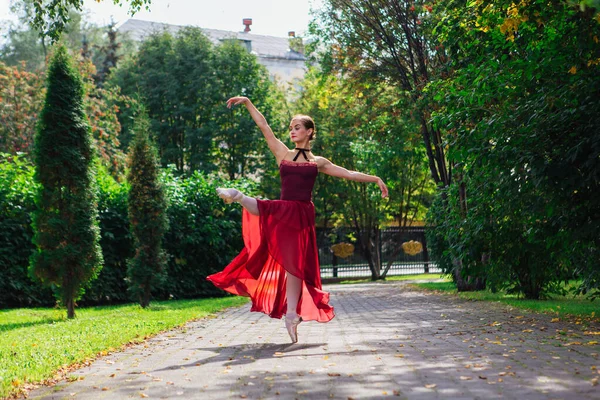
303 151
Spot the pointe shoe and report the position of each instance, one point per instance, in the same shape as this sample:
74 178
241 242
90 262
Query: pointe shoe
230 195
291 324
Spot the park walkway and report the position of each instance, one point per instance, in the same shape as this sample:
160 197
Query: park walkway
387 341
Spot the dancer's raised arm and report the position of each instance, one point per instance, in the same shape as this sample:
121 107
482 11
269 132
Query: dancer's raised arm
329 168
277 147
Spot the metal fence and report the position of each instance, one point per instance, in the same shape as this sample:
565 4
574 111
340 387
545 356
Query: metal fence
387 243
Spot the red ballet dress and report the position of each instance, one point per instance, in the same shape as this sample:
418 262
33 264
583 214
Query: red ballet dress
282 238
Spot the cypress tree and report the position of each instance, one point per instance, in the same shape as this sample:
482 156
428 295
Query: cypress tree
147 213
67 236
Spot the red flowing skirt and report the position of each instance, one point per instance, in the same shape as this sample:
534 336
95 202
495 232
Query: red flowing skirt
281 239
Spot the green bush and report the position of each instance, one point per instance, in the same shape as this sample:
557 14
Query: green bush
115 240
204 236
17 192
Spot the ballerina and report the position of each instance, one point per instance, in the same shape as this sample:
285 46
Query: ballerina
278 268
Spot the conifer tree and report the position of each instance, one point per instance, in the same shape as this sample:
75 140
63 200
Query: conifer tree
147 213
67 235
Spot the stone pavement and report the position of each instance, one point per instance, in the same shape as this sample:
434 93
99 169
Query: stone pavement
387 341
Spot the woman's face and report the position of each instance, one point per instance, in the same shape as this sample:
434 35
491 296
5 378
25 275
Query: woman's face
298 133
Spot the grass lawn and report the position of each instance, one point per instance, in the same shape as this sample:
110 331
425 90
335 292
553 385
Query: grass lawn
398 278
39 344
561 306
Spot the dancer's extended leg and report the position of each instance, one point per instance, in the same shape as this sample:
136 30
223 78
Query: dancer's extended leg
234 195
293 289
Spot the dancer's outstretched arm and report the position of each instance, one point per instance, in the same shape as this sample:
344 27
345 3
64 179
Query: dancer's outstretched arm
329 168
277 147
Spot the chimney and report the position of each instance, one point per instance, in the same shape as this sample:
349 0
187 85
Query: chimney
247 22
291 34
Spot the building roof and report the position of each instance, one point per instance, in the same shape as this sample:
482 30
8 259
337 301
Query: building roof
261 45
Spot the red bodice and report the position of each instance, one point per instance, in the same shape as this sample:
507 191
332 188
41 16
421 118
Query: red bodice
297 180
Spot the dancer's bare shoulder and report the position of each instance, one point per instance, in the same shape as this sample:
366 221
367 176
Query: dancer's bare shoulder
322 162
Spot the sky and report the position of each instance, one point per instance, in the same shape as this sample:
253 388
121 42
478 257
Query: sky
269 17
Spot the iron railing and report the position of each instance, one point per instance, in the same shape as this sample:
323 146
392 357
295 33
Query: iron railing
387 245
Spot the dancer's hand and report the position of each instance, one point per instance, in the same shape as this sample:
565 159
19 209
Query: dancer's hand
384 189
234 101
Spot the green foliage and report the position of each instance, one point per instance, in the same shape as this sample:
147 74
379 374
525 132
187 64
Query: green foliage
66 235
204 234
21 100
17 193
519 96
184 82
147 214
52 17
24 43
241 149
21 97
116 242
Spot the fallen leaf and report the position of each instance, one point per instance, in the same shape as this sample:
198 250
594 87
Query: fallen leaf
143 395
399 355
465 378
333 374
594 382
502 373
482 377
430 385
104 389
527 330
112 375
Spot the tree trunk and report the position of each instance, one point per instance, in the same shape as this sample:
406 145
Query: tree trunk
70 308
468 284
145 296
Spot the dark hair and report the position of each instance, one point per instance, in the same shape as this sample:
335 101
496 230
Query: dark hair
308 123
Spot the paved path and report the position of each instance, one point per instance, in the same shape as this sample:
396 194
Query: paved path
386 342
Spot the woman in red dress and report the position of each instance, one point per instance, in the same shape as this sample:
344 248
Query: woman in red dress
279 265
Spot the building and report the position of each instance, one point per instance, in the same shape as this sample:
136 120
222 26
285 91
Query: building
273 52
